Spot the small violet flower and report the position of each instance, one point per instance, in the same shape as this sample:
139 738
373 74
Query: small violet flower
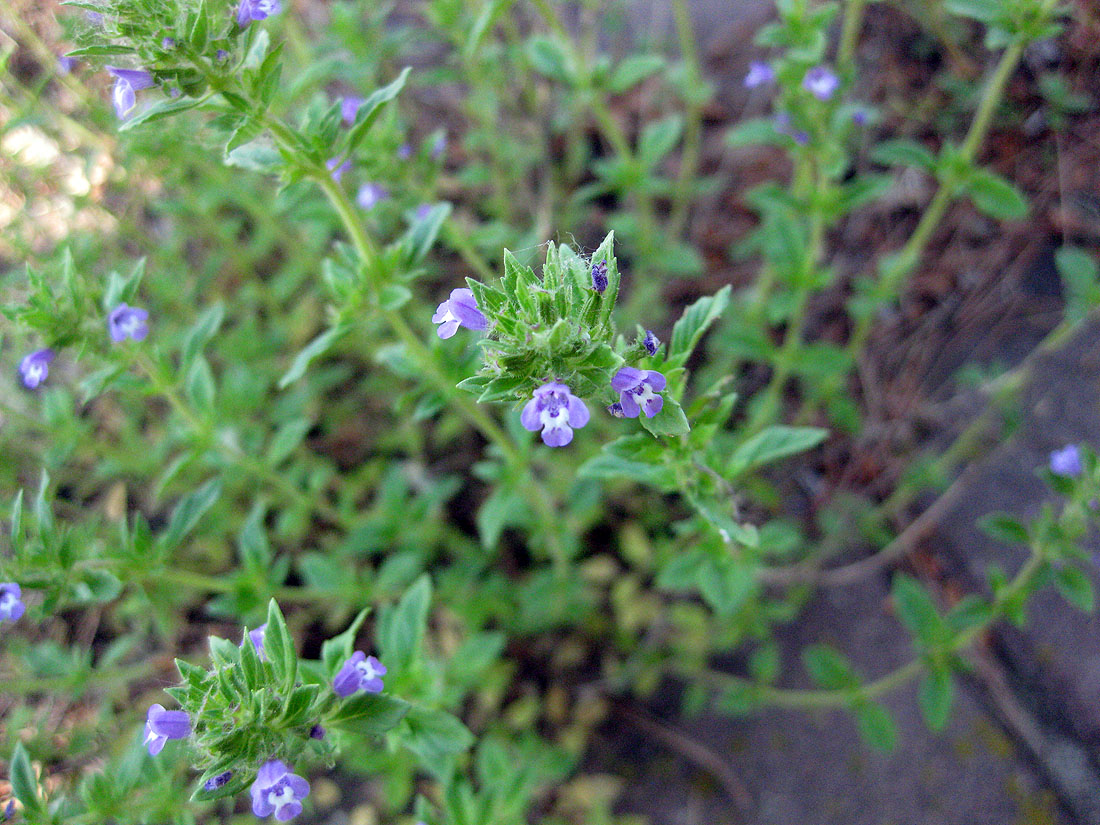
215 782
257 637
439 146
162 725
317 732
360 672
616 410
1066 462
168 43
599 276
638 391
370 194
278 791
127 82
349 107
338 167
820 82
651 342
250 10
760 74
128 322
404 151
556 411
784 126
66 64
423 211
460 310
34 368
11 603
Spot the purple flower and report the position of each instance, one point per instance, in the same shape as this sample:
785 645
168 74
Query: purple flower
257 637
1066 461
162 725
651 342
439 146
278 791
556 411
820 82
127 322
638 391
616 410
360 672
250 10
215 782
220 55
66 64
317 732
94 17
460 310
423 211
9 811
11 603
168 43
127 82
404 151
760 74
338 167
599 276
349 107
370 194
860 117
34 368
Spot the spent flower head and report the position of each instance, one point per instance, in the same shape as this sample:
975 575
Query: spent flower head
278 791
35 368
651 342
11 602
599 276
555 411
638 391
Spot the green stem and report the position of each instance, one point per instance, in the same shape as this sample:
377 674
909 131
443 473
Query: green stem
790 698
693 128
849 35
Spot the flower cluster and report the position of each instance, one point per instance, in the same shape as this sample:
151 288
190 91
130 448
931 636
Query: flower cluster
11 603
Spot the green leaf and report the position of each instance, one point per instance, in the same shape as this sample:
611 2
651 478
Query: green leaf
368 714
372 107
935 695
1076 588
403 627
279 647
754 132
695 321
315 348
1080 281
158 111
422 234
256 156
633 70
670 421
658 139
996 197
200 387
503 507
24 786
918 612
237 782
393 296
1004 527
772 444
903 153
549 58
828 668
189 510
876 726
726 584
286 440
985 11
205 327
338 649
435 735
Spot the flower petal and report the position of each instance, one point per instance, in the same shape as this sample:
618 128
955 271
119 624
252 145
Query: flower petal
578 412
557 436
627 378
529 418
655 380
629 405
